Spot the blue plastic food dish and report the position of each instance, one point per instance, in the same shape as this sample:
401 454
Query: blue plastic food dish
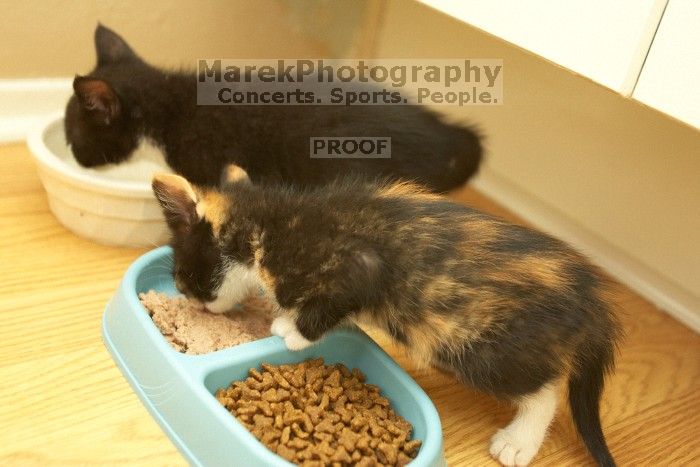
177 389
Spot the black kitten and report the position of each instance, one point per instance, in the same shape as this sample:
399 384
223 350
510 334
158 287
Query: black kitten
124 99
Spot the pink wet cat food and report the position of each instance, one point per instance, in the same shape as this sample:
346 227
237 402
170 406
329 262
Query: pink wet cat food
190 329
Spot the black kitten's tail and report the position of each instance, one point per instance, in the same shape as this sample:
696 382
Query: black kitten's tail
463 151
585 389
468 151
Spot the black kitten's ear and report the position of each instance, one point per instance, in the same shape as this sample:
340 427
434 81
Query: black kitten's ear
111 47
234 174
98 97
179 201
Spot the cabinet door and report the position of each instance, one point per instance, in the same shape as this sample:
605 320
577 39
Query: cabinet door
603 40
670 78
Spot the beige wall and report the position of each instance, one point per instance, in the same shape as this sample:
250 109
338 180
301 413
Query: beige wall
624 171
46 38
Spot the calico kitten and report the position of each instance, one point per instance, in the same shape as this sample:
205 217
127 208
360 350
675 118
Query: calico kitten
124 100
508 310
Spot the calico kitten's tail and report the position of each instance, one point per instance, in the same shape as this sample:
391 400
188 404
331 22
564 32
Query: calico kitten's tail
586 382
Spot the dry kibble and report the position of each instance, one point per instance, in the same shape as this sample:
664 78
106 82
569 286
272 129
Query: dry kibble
333 392
311 395
314 414
348 439
284 437
299 432
297 379
283 394
341 455
286 452
325 400
282 381
358 422
262 421
255 374
308 426
376 430
325 426
311 463
270 395
366 462
257 432
358 374
363 444
249 409
298 444
264 407
382 401
411 447
345 415
269 436
250 394
333 379
402 459
390 453
323 436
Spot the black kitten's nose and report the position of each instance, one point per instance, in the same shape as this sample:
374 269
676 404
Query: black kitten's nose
89 160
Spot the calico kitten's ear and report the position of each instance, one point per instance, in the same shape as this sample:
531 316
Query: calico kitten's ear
179 201
234 174
97 97
111 47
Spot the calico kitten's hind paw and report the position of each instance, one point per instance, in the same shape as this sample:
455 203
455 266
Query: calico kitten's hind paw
512 450
517 444
284 327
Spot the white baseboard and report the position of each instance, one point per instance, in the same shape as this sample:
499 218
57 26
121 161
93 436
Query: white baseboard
650 284
25 103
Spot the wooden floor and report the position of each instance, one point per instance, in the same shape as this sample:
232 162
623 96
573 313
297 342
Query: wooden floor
63 402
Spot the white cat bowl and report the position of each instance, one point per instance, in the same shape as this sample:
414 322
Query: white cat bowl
113 204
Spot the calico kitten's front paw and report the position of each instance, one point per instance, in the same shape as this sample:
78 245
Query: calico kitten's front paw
284 327
281 326
295 341
512 450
